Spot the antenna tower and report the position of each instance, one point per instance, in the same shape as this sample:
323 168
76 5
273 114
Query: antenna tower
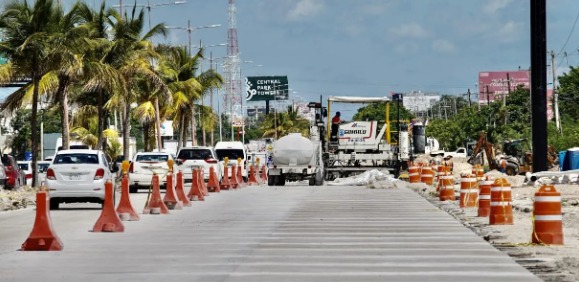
232 100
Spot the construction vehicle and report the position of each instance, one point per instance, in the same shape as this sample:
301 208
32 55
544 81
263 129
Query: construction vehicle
296 158
482 149
359 146
517 157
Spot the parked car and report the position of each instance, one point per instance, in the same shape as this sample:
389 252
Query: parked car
42 168
189 158
26 167
143 165
2 177
15 177
232 150
78 176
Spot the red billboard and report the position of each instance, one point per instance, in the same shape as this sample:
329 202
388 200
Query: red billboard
493 85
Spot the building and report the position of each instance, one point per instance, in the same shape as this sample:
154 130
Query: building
419 102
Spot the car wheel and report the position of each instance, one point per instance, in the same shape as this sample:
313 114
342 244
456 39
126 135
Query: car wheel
133 189
54 204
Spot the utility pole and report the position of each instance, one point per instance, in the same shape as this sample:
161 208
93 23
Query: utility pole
555 94
505 97
211 99
469 101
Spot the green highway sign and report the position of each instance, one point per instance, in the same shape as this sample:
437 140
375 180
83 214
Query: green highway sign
262 88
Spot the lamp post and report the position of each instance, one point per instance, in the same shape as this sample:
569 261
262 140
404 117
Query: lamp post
149 6
190 29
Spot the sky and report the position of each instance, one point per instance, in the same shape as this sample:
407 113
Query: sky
372 47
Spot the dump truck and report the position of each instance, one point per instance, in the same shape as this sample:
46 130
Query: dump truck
296 158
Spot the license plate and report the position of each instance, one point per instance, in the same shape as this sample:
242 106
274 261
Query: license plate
75 176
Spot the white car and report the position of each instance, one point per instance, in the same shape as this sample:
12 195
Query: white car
189 158
42 167
233 150
143 165
78 176
26 167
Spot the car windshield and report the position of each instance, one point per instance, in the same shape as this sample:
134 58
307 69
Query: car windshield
232 154
23 166
195 154
76 158
152 158
75 147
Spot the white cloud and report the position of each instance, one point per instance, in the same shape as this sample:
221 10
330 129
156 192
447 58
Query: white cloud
305 9
443 46
494 6
411 30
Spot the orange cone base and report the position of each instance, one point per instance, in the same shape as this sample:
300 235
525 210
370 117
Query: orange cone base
170 198
125 202
42 237
109 220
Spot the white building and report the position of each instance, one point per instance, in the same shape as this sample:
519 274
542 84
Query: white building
418 101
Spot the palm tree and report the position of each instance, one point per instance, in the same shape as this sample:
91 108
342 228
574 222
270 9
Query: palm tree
209 80
277 125
26 32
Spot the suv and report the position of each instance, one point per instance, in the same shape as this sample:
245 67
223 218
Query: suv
233 150
189 158
143 165
14 175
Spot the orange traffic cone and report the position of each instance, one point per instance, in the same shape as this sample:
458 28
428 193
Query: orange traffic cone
125 206
263 174
170 198
225 184
42 237
195 192
155 205
251 180
234 181
239 175
548 223
213 184
109 220
180 192
202 185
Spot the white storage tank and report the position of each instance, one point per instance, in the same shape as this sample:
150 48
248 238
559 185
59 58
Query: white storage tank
292 149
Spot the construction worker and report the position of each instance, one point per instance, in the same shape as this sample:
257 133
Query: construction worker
335 125
448 162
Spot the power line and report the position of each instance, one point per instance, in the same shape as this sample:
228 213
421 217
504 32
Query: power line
569 37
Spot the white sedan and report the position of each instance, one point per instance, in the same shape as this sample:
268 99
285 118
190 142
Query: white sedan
143 165
78 176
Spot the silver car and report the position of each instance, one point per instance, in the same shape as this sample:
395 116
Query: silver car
78 176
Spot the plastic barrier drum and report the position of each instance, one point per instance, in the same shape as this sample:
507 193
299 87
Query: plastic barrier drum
427 175
413 173
446 186
547 223
484 198
501 203
468 191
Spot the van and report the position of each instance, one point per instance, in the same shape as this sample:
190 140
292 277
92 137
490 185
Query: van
233 150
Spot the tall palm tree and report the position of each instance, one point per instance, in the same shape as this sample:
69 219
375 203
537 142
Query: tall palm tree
26 32
209 80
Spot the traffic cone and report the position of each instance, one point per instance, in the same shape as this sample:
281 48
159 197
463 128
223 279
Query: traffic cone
195 192
234 181
155 204
251 180
170 198
225 184
213 183
240 181
548 219
109 220
180 192
125 206
203 186
42 237
263 174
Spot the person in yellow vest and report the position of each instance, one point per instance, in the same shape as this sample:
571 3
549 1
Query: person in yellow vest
448 162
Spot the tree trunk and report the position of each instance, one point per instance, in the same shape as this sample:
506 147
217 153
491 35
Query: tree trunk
101 120
146 137
158 123
182 130
193 126
63 94
126 130
33 126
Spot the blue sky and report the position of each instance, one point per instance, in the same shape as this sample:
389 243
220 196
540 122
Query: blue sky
373 47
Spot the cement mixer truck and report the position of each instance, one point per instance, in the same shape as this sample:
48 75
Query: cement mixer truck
296 158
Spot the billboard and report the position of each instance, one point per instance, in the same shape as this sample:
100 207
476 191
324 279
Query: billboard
492 85
262 88
254 112
167 128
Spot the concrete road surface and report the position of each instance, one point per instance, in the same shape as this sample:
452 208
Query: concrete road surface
291 233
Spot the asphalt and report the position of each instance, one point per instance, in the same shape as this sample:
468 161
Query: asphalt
290 233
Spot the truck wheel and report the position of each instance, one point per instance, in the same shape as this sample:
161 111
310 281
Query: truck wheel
319 179
312 181
271 180
280 180
511 170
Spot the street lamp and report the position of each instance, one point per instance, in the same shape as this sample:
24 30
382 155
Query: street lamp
149 6
190 29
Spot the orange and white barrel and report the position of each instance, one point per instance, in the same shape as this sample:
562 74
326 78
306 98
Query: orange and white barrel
427 175
468 191
484 198
414 173
479 171
446 187
501 203
548 219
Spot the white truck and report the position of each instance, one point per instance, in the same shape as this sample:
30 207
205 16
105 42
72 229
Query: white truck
296 158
